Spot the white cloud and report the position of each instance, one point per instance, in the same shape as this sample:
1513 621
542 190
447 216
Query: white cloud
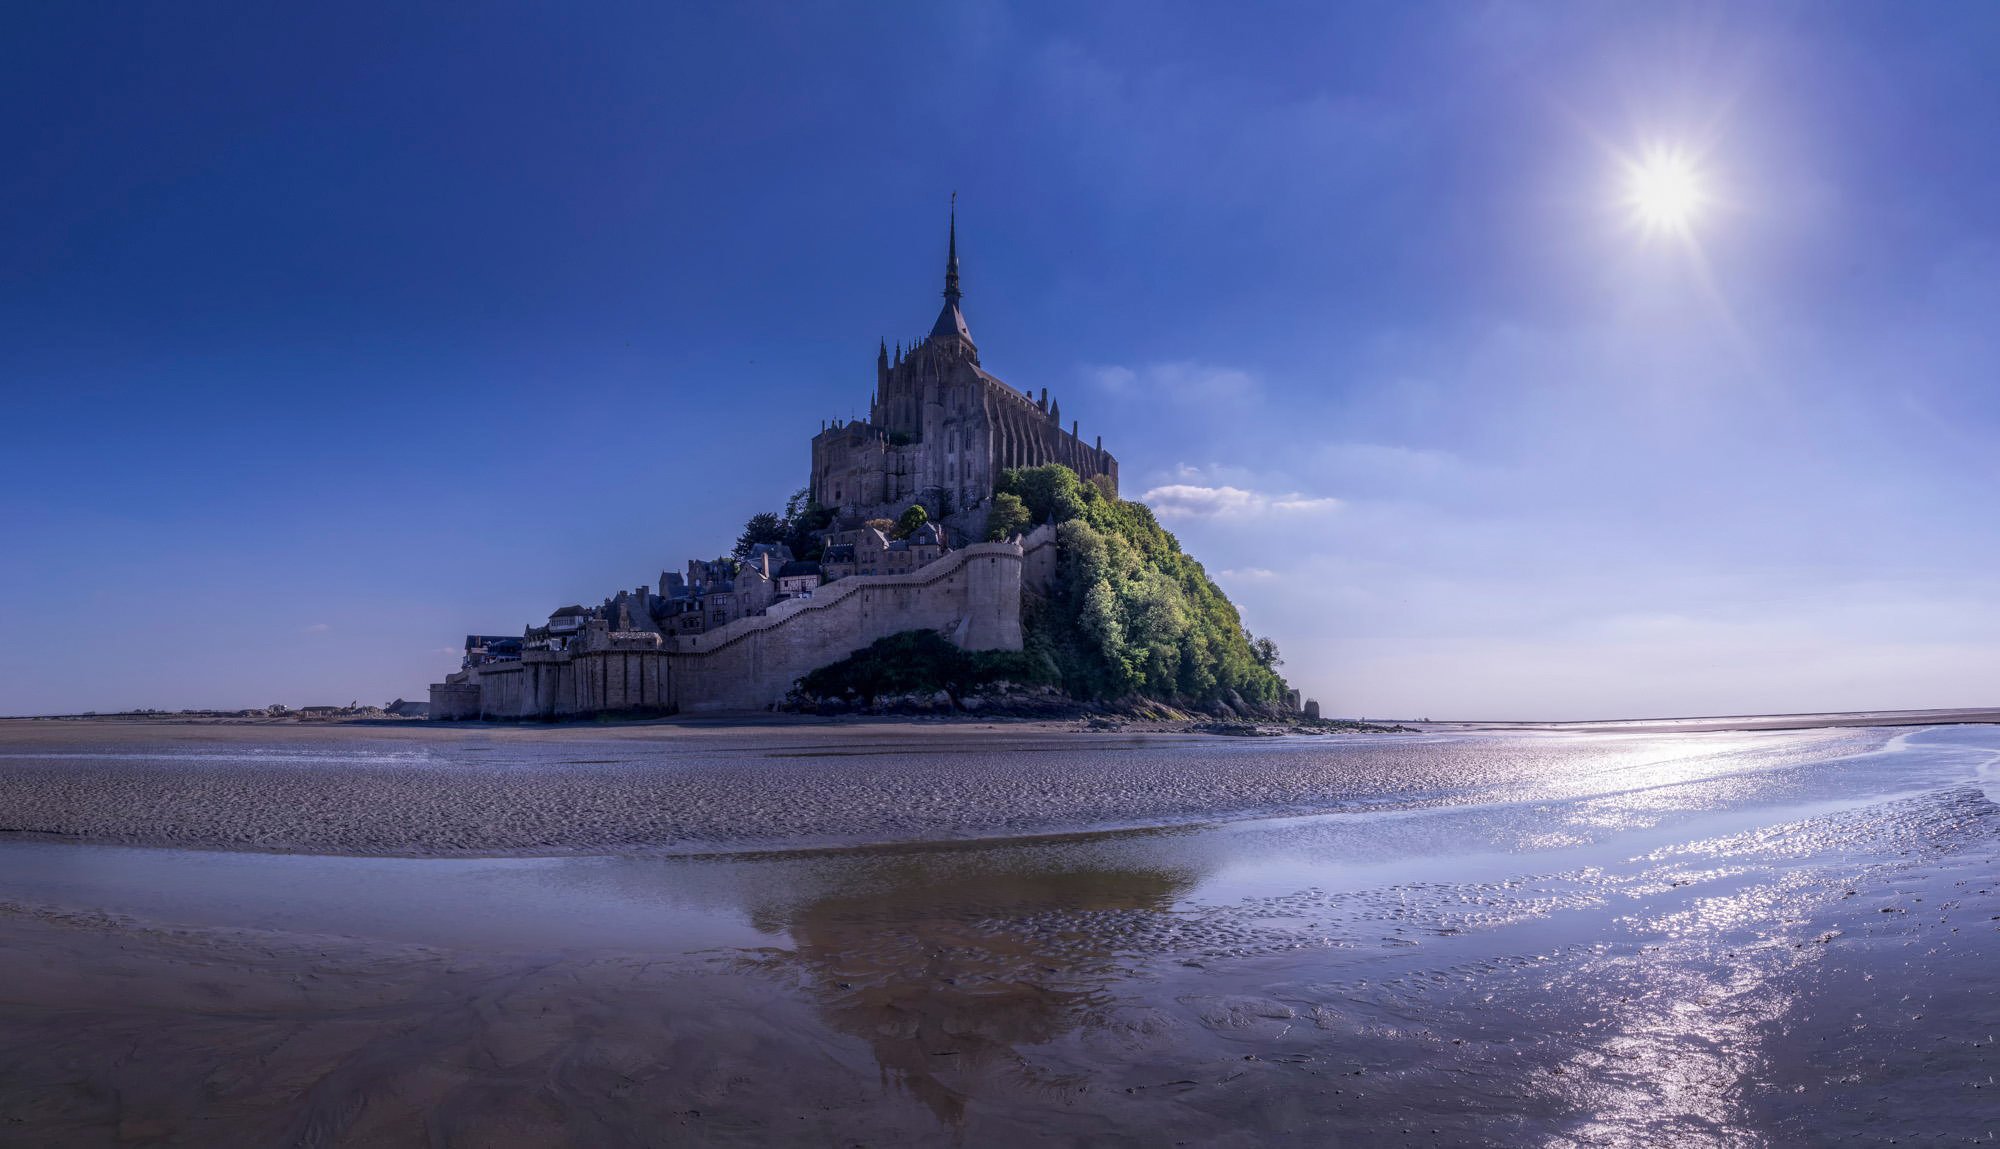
1115 379
1298 502
1396 464
1212 474
1250 574
1180 382
1191 500
318 628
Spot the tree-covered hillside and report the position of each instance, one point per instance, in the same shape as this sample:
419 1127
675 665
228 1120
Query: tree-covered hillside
1131 613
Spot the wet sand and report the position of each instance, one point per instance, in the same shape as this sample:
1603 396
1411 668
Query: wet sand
1492 939
440 791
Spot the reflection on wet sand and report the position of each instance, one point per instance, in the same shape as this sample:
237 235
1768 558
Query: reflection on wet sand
942 979
1760 948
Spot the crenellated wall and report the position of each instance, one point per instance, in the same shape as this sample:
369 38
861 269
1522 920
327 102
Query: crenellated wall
972 595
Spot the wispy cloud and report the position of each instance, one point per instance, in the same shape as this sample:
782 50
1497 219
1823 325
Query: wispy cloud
1250 574
1211 474
1190 500
1401 464
317 628
1180 382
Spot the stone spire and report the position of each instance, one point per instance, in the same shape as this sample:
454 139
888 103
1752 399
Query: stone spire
951 260
951 322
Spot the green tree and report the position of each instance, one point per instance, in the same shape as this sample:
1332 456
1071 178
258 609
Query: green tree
912 521
1007 517
1051 492
805 520
1266 653
763 527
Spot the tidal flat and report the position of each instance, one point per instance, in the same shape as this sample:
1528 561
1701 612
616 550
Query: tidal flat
847 934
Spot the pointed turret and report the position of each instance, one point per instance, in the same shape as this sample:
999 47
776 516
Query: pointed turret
950 322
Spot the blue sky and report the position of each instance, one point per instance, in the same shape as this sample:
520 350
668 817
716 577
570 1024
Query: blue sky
329 336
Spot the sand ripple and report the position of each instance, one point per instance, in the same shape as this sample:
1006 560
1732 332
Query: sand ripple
675 790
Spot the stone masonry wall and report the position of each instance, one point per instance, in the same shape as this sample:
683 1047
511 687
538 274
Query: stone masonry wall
973 595
1038 559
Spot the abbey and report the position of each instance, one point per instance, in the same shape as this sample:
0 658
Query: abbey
940 429
737 634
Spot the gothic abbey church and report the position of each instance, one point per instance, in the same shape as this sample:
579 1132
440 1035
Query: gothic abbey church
940 429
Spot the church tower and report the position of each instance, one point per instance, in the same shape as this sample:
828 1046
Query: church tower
940 428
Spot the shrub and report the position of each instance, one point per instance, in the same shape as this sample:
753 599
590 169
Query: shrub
919 661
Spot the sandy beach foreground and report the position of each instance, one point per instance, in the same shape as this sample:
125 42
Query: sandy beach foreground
663 936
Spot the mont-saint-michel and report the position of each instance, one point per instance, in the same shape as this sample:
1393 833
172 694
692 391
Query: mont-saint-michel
914 520
1611 382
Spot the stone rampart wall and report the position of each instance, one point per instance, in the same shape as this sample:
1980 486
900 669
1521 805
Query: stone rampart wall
454 701
1038 559
544 685
973 595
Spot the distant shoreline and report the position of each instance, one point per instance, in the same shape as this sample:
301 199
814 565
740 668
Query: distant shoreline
754 720
1084 721
1743 722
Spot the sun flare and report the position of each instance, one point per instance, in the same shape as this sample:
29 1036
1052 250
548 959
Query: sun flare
1664 191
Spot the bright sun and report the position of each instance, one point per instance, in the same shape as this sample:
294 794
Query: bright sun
1664 191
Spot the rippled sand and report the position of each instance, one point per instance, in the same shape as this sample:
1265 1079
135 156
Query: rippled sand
520 790
1709 939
